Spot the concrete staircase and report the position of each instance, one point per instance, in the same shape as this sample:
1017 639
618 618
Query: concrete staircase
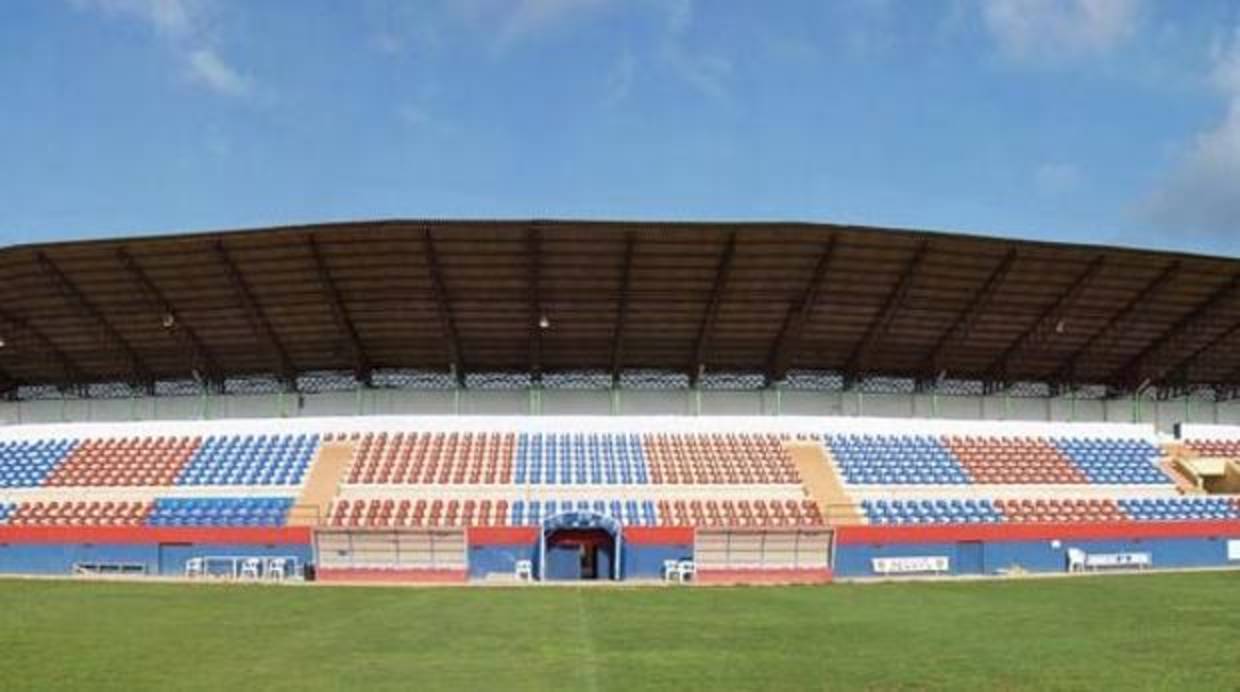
822 482
1171 465
328 469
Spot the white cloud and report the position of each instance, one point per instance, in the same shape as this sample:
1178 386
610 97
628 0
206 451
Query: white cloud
1203 192
174 18
1225 53
529 17
620 79
1055 178
207 67
413 115
1058 29
704 72
187 27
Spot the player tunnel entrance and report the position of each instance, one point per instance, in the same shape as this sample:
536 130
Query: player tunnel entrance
576 546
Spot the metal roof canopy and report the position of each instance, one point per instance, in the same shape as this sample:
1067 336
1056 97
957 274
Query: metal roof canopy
556 296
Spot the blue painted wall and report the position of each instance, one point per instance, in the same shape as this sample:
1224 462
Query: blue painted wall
1036 556
646 561
166 559
499 559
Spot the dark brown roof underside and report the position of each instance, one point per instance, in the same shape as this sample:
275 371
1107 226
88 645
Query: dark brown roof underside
713 297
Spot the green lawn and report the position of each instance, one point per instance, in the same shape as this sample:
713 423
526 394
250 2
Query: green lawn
1172 631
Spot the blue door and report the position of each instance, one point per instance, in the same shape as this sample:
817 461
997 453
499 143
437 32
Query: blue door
970 557
564 562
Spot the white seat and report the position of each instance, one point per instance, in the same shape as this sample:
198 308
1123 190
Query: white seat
524 570
195 567
277 569
251 568
1076 560
671 570
685 570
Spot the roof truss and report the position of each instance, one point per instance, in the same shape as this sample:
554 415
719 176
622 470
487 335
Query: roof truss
200 357
855 367
361 362
701 345
140 373
1042 331
962 325
1113 331
1160 355
14 327
789 336
443 307
622 307
259 324
533 251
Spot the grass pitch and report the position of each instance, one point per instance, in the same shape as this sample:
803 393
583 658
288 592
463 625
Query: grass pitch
1171 631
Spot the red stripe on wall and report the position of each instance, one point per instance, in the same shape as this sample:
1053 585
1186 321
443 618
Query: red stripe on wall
144 534
659 535
851 535
502 535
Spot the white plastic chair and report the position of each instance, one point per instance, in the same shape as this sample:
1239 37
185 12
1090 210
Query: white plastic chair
524 570
195 567
251 568
671 570
685 570
1076 560
277 569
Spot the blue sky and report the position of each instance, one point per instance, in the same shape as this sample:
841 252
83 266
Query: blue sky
1113 121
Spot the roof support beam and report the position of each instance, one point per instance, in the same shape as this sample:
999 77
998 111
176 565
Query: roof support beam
1228 387
344 322
1039 333
963 325
533 251
1178 375
1154 360
701 345
7 382
1103 340
443 307
201 360
259 324
854 369
140 374
789 336
622 308
12 327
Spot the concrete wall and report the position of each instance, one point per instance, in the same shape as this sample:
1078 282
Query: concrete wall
1164 414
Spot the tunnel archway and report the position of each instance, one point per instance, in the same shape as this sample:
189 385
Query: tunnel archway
580 545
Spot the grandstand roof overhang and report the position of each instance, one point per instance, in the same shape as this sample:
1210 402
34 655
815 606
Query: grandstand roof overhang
550 296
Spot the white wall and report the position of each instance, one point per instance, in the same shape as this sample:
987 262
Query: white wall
1163 414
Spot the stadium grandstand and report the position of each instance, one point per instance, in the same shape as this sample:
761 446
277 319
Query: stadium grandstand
453 401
